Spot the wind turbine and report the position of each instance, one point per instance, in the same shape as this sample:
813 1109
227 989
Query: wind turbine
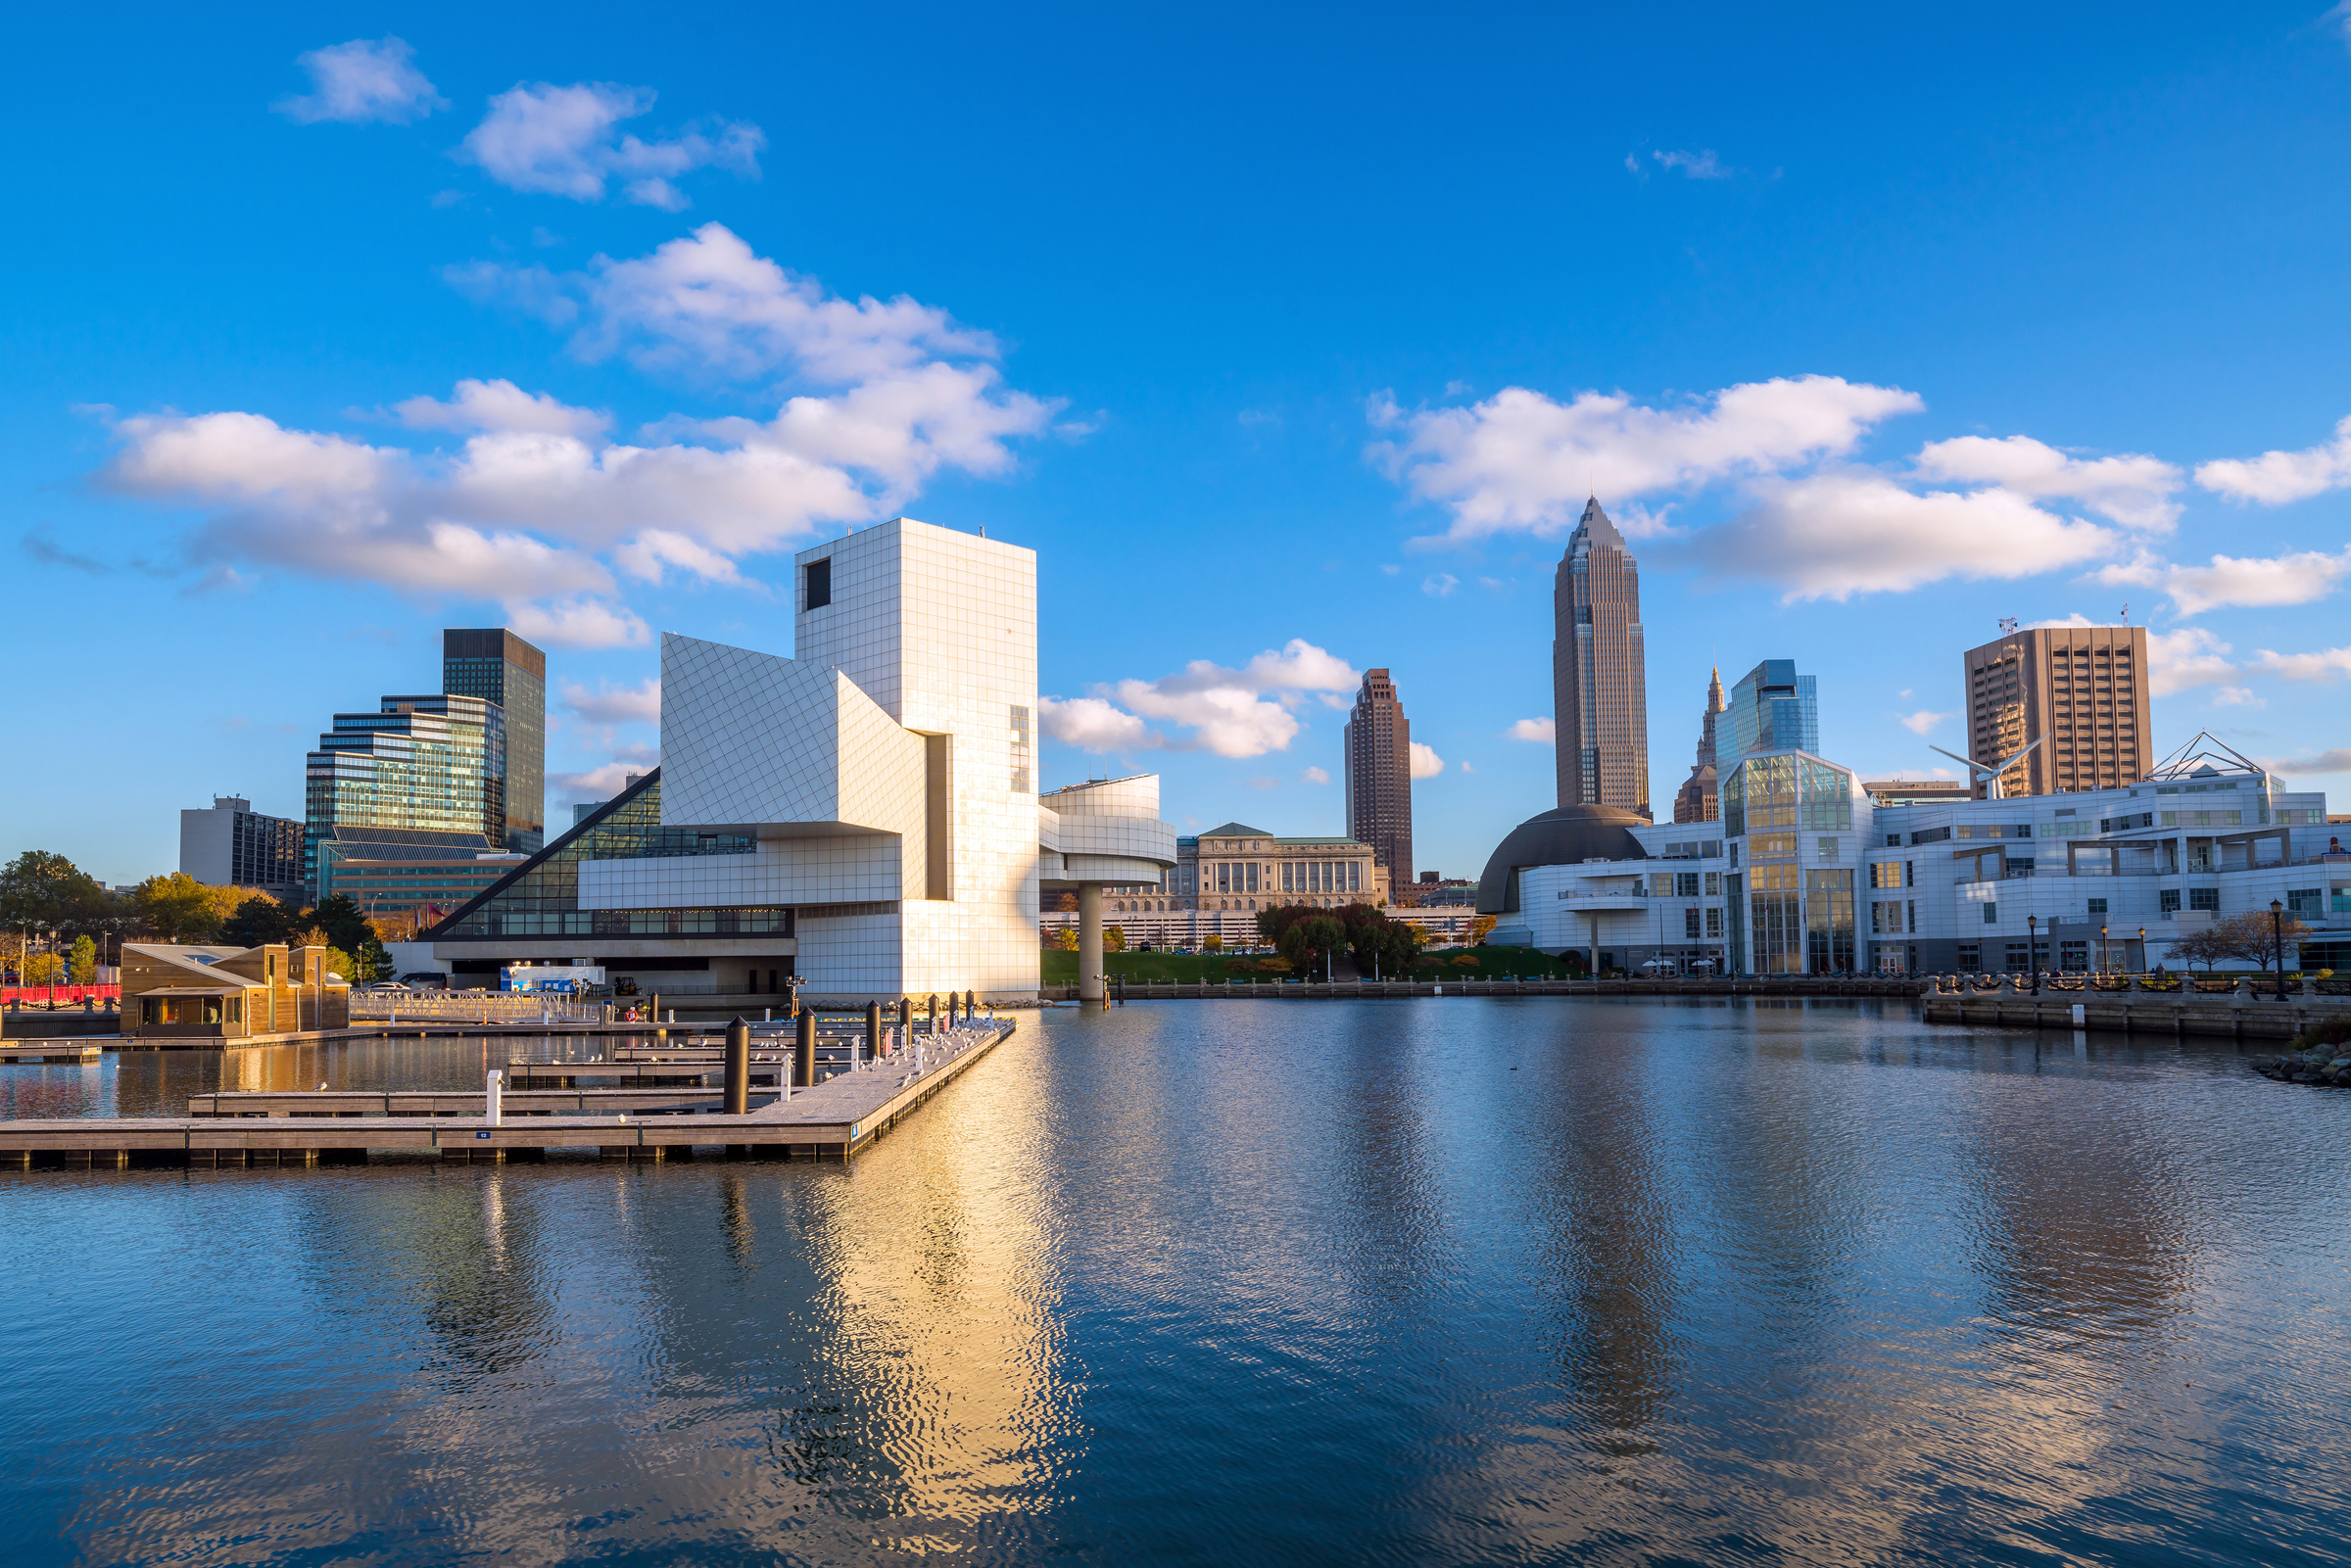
1991 771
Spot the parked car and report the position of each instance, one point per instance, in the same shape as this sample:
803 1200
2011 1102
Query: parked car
383 987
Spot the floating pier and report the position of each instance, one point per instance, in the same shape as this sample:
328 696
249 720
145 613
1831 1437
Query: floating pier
832 1119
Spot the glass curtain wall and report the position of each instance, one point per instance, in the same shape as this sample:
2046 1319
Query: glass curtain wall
542 896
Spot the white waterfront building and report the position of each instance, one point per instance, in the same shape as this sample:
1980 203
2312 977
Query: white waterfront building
1804 876
862 815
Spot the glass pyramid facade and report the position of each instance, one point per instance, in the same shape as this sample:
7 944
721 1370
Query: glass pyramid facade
541 897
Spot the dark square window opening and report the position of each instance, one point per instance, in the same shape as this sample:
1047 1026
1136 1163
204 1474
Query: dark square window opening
819 579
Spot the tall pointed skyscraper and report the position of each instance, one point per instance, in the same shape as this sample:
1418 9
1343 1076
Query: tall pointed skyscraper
1698 800
1378 750
1598 679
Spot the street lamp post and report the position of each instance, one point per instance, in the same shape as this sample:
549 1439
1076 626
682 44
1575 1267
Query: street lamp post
2033 949
2105 952
2278 938
2142 950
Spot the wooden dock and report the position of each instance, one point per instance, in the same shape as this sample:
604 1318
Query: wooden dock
2236 1018
836 1119
461 1103
64 1049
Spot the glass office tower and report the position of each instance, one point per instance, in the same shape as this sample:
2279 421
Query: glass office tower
497 666
417 764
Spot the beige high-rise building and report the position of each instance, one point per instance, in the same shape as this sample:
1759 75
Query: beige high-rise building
2079 691
1599 680
1378 750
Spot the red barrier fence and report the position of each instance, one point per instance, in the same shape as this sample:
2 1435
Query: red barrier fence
41 995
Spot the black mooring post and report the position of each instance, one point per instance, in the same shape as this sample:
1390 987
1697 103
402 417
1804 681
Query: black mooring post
933 1014
873 1032
803 1056
905 1021
739 1069
969 1007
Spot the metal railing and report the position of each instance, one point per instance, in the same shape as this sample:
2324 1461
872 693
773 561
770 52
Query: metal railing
489 1007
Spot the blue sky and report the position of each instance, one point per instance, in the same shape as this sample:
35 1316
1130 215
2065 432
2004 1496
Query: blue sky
1289 339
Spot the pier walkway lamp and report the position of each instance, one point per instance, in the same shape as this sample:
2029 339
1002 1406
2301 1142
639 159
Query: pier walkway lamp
2105 951
2278 938
2142 950
2033 949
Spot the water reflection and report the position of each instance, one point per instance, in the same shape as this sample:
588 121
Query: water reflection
1406 1281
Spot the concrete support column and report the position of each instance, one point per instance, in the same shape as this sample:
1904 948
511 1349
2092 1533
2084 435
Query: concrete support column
1089 942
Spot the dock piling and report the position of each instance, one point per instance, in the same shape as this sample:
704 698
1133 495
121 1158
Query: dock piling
739 1069
493 1098
803 1055
873 1035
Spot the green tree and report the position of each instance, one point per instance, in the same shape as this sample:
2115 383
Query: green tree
1308 943
42 889
44 969
84 960
180 909
258 921
1114 940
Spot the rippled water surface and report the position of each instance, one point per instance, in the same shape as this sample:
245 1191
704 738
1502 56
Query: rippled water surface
1454 1281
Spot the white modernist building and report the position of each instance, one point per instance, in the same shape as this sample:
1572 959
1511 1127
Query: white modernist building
862 815
1804 875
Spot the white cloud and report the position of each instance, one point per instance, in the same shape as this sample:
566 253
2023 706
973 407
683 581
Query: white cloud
1094 723
538 502
610 705
2277 477
1922 722
1542 732
1314 776
707 301
1465 768
1519 461
501 405
1701 165
2237 696
1426 763
1232 713
1440 585
1850 531
2179 661
2336 760
2250 581
2133 491
560 141
364 79
580 623
599 783
2325 665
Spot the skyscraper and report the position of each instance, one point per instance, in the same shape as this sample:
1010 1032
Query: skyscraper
1774 709
1598 679
1379 776
497 666
419 770
1699 799
2079 691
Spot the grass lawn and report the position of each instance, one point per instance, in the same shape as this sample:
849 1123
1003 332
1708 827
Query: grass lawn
1186 969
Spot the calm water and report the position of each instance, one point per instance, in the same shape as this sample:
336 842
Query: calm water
1490 1280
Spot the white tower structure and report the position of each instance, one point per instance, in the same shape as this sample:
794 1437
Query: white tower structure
1102 832
888 772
